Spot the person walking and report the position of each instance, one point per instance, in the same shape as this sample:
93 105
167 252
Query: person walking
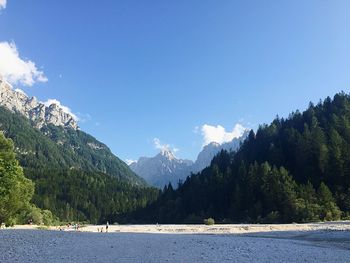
107 225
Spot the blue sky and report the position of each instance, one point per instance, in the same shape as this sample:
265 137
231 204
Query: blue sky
138 70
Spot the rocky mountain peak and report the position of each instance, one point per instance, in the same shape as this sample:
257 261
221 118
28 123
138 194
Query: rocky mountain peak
167 153
36 111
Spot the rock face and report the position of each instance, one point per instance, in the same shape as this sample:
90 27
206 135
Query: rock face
209 151
165 168
162 169
36 111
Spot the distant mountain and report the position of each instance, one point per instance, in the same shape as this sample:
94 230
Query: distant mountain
72 171
209 151
162 169
165 168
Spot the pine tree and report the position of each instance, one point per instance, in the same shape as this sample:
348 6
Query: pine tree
329 209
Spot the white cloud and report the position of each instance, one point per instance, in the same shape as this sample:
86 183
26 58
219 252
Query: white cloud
219 135
64 108
164 147
159 145
2 4
130 161
16 70
21 91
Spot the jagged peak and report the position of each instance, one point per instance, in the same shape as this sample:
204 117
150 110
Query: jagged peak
41 114
167 153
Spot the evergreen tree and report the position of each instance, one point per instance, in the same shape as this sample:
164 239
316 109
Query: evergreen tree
329 209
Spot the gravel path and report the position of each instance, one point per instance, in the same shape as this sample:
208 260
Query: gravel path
55 246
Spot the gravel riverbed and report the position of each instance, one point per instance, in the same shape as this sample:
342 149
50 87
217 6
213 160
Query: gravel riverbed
28 245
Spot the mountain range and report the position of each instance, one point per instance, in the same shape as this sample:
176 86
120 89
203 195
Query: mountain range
293 170
165 167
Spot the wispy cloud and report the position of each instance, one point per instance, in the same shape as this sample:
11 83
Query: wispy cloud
17 70
2 4
164 147
219 134
130 161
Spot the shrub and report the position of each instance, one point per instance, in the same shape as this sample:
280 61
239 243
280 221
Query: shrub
35 215
10 222
48 218
32 213
209 221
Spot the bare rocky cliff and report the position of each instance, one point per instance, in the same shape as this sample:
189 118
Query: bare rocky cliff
36 111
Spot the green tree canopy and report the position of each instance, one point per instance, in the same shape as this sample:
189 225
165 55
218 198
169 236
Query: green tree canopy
15 190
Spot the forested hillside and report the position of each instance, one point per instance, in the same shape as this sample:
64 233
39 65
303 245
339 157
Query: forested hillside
58 147
76 177
293 170
77 195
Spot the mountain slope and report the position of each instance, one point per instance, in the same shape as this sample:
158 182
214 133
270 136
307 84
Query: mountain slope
58 147
293 170
48 135
75 176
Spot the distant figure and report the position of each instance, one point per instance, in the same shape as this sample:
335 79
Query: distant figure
101 229
107 225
